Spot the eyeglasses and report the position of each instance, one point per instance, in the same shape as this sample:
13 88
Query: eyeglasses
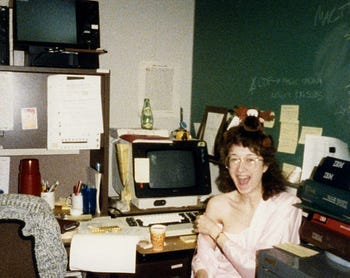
234 161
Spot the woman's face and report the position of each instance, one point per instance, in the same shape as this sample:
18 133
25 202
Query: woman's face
246 169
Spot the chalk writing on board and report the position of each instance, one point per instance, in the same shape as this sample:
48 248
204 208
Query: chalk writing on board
293 88
330 16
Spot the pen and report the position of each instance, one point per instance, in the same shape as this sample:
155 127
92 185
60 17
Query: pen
77 188
53 187
44 186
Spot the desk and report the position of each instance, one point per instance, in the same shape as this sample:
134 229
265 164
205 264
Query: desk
173 261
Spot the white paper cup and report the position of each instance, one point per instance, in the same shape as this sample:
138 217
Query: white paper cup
49 197
158 236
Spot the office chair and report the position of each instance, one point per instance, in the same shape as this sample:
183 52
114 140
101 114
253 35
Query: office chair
30 238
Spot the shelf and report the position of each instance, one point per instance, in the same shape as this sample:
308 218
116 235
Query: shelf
80 50
21 152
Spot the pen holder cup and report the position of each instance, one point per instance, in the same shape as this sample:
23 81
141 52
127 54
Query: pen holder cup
89 201
49 197
77 204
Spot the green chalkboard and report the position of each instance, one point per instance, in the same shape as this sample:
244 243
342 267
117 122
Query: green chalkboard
267 53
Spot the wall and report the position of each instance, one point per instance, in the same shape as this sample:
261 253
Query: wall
134 31
268 53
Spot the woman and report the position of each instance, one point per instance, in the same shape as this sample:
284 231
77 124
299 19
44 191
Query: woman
254 213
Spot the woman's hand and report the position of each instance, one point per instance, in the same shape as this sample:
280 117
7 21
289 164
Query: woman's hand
204 225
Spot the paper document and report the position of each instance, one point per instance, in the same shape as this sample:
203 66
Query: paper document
5 174
107 252
310 130
6 101
157 82
288 138
318 147
74 112
298 250
212 126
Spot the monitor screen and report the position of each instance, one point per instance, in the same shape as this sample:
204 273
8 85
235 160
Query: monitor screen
55 24
171 169
168 169
42 22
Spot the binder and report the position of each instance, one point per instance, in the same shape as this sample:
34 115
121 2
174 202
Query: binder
335 164
330 223
329 199
326 239
333 171
333 177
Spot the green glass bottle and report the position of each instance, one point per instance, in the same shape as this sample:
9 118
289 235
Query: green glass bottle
146 115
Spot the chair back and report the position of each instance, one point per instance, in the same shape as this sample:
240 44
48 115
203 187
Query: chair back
30 238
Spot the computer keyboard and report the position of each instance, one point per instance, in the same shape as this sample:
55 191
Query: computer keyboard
178 223
162 218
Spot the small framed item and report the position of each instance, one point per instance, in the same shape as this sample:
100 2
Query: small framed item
211 128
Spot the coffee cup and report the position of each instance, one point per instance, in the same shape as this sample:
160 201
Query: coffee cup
158 236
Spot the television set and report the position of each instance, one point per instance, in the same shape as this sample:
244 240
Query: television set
163 173
55 24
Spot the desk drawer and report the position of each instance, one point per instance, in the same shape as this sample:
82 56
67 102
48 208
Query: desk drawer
179 267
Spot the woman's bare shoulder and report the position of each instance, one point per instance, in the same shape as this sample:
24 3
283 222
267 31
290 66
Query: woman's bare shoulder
219 201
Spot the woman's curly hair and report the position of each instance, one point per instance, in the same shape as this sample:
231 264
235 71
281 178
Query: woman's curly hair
249 133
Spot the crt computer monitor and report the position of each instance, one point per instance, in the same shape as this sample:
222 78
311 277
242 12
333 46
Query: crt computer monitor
55 24
168 173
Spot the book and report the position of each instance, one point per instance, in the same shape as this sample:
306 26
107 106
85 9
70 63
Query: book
330 223
326 198
326 239
118 132
309 209
333 171
332 177
335 164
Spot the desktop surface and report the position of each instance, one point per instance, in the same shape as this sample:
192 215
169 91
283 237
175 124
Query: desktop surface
173 261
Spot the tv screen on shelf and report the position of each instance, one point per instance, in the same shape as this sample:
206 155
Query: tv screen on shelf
55 24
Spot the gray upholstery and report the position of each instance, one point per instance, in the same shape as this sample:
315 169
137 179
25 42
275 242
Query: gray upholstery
40 222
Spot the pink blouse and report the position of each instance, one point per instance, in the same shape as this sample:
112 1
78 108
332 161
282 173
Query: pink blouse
275 221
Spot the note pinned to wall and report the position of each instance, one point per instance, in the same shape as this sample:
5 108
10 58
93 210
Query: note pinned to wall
6 101
157 81
289 113
74 112
29 117
288 138
309 130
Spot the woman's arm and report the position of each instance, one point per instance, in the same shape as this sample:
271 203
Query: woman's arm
207 228
280 223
